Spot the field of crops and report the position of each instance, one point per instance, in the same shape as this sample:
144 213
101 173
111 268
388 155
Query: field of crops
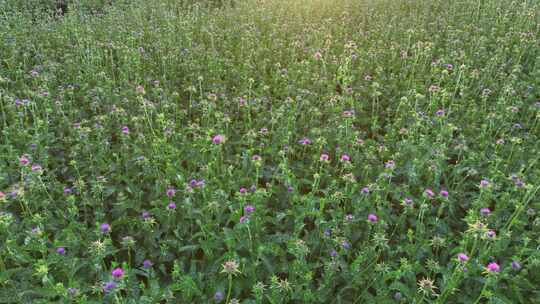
270 151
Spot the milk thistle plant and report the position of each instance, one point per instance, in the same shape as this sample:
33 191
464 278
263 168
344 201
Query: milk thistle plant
299 151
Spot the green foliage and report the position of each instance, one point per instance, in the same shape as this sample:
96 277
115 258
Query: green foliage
306 151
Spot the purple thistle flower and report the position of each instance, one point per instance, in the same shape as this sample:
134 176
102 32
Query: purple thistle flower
365 190
243 190
24 161
350 113
484 183
125 130
317 56
171 206
324 157
491 233
440 112
519 183
61 250
345 245
72 291
248 209
372 218
145 215
256 158
105 228
147 264
408 201
193 183
218 139
117 273
349 217
304 141
493 267
485 211
345 158
444 193
109 286
327 232
14 193
200 183
253 188
68 190
462 257
516 265
36 168
333 253
171 192
429 193
243 219
218 296
290 189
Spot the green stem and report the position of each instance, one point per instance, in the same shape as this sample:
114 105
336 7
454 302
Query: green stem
229 291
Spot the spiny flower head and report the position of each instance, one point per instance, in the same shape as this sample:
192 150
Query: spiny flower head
218 139
493 267
117 273
462 257
230 267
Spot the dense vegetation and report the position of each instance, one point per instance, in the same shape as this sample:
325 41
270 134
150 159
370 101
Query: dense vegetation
271 151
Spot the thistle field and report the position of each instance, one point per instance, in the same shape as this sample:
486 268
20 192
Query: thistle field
270 151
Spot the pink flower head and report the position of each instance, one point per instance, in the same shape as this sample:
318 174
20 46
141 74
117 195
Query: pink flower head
125 130
304 141
348 113
218 139
2 195
171 192
408 201
440 112
485 211
345 158
493 267
256 158
372 218
24 161
117 273
243 190
365 190
484 183
249 209
105 228
444 193
36 167
324 157
171 206
243 219
317 55
462 257
491 233
429 193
